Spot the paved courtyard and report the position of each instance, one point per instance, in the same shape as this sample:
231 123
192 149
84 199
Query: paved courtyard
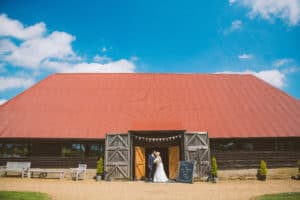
89 189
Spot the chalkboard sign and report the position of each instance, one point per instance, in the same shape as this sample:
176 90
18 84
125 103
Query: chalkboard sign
185 172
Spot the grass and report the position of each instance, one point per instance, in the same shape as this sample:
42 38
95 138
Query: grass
280 196
11 195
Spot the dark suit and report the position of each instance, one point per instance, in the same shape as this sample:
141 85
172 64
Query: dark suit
151 166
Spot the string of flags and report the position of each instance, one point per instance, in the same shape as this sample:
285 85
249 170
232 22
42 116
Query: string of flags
164 139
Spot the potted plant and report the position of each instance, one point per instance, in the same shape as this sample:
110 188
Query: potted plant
298 163
99 172
297 177
262 171
214 170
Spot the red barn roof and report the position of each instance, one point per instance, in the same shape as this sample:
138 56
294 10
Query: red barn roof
91 105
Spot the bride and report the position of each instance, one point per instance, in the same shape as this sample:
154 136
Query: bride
159 175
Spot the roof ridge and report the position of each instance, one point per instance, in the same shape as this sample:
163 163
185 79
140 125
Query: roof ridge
151 73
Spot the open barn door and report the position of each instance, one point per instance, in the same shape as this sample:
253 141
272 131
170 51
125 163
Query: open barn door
140 163
117 156
174 158
196 148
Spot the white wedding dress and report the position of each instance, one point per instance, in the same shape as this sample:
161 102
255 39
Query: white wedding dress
160 174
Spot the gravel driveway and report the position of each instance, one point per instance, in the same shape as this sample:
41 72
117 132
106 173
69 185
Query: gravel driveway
89 189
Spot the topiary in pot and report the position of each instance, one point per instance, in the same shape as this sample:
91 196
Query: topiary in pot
262 171
99 172
298 163
297 177
214 169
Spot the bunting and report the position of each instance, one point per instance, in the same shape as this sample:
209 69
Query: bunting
153 139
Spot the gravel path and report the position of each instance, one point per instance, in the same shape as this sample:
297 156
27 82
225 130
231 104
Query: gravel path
89 189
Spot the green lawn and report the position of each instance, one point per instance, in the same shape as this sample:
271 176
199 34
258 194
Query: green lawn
281 196
9 195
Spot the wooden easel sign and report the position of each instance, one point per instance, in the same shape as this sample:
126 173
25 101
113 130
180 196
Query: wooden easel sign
185 172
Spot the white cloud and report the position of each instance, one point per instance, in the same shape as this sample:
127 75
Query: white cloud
6 46
51 52
104 49
120 66
2 101
13 28
281 62
15 82
245 56
291 69
134 58
235 25
2 68
286 10
43 53
102 59
232 2
273 76
32 52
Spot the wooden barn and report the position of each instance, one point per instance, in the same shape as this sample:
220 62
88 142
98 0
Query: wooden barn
68 119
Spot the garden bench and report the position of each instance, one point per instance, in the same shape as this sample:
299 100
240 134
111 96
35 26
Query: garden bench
17 167
77 172
43 173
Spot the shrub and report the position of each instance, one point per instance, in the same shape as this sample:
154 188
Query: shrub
298 163
262 171
100 166
214 167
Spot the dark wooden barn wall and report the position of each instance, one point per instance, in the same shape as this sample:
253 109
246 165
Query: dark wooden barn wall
251 159
46 153
227 159
53 162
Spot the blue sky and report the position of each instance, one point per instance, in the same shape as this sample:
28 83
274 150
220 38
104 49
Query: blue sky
38 38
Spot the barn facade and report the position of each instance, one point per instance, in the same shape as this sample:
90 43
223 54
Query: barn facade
70 118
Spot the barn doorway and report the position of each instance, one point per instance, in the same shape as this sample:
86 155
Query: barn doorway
169 144
164 155
121 149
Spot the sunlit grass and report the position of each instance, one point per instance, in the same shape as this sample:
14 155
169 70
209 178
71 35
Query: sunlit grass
281 196
11 195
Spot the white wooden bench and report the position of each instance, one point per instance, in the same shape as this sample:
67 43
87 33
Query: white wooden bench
43 173
17 167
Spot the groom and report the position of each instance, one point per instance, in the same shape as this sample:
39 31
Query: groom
151 165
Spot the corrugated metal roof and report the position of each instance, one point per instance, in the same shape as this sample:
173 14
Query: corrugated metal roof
91 105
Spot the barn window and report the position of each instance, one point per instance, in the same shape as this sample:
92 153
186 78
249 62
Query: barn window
96 150
1 150
74 149
286 145
16 150
247 146
224 145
